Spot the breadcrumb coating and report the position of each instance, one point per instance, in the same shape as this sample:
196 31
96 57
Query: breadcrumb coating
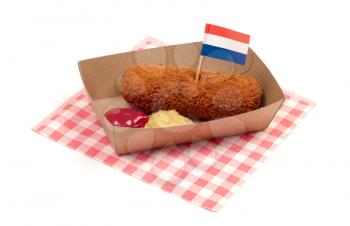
217 94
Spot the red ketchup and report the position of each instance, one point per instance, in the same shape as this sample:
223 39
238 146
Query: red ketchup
127 117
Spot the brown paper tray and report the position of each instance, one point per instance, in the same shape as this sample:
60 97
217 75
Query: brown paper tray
101 78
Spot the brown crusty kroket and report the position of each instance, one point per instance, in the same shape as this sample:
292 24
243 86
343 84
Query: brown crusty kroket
216 95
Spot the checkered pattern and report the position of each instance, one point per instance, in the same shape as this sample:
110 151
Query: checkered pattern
205 173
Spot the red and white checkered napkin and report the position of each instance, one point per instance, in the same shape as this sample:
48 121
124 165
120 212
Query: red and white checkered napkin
205 173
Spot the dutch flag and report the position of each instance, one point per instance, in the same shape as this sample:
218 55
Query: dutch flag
225 44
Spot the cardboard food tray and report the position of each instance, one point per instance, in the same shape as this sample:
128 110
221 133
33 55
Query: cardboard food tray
101 77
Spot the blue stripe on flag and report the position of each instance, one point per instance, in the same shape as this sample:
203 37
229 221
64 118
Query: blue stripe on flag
223 54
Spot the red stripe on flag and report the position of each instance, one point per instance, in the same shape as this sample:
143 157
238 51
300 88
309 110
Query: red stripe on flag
227 33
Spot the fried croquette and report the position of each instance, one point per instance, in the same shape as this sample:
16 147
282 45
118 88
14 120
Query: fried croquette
217 94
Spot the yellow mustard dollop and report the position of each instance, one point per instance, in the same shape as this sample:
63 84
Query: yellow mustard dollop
168 118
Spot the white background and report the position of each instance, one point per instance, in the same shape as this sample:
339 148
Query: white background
305 44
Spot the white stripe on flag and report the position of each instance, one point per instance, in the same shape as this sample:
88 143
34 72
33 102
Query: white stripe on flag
225 43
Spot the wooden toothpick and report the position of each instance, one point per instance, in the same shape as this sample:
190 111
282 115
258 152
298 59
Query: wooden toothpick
199 67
